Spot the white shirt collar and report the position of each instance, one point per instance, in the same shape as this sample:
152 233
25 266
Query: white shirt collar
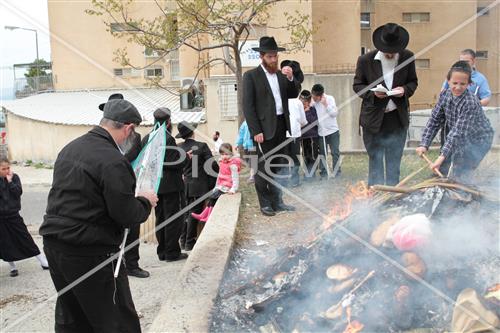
380 56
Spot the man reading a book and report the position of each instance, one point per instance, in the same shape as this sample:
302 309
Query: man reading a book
385 79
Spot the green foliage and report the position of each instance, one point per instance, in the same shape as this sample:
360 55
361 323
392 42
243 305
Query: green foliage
39 64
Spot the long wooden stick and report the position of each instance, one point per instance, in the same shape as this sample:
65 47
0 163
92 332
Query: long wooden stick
430 163
396 189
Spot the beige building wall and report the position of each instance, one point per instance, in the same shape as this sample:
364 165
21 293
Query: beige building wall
337 43
83 49
424 37
488 39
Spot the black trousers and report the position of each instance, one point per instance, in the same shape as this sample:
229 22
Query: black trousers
268 194
132 255
190 227
100 303
168 236
293 150
310 152
388 146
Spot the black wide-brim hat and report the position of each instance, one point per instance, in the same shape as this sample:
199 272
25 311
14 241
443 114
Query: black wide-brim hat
185 129
268 44
112 96
390 38
295 65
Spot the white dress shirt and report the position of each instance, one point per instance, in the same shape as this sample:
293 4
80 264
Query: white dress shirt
327 116
388 66
297 118
275 87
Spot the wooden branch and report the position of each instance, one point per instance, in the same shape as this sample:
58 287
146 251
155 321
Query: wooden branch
395 189
436 171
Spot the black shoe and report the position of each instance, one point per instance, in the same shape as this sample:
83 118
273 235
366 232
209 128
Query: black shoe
268 211
45 267
188 247
181 256
138 272
14 273
283 207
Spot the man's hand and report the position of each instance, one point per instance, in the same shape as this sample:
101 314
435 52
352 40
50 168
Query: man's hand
402 91
380 95
151 196
288 71
437 163
189 154
9 176
421 150
259 138
323 101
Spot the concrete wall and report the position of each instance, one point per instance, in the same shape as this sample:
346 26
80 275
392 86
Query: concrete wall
29 139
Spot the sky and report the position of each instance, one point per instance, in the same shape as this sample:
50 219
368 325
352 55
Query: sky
18 46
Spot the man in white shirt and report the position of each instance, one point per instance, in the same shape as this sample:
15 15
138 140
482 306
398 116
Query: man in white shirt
328 128
217 142
297 121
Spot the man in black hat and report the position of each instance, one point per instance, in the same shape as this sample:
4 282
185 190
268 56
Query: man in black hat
170 194
196 179
266 91
385 118
91 202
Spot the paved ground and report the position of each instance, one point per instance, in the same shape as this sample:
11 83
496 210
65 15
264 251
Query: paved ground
33 287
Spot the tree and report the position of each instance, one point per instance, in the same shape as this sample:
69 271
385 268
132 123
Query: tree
201 25
37 69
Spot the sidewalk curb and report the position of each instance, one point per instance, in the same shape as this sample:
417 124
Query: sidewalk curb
189 306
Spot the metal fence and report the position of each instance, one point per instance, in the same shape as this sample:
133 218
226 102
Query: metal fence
28 86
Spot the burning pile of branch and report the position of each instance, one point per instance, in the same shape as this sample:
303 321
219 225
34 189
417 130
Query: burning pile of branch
385 259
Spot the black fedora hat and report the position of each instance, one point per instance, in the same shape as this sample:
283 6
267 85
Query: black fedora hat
268 44
185 129
295 65
112 96
390 38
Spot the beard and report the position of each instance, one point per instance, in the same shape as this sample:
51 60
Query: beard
129 142
271 67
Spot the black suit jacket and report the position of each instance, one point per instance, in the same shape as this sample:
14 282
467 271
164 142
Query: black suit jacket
368 71
197 181
259 106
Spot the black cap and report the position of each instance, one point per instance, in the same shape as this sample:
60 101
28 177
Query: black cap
185 129
162 115
112 96
122 111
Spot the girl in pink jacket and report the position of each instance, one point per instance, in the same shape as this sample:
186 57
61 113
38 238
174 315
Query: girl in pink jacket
228 180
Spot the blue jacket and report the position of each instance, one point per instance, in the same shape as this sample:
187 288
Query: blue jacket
244 138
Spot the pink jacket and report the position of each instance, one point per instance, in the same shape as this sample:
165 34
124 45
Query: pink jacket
225 178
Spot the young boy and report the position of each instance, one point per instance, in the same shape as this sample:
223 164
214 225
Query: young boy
470 133
15 241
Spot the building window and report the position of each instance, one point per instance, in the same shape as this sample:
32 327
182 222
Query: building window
482 54
365 20
150 53
122 27
416 17
127 72
228 101
422 63
153 72
482 12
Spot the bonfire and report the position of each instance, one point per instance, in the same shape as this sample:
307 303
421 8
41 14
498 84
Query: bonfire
386 259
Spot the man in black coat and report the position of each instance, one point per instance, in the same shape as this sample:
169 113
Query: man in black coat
91 202
385 118
196 179
170 194
266 91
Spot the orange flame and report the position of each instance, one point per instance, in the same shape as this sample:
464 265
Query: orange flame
354 327
340 211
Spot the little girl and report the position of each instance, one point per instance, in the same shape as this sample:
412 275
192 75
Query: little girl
227 181
470 133
15 241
